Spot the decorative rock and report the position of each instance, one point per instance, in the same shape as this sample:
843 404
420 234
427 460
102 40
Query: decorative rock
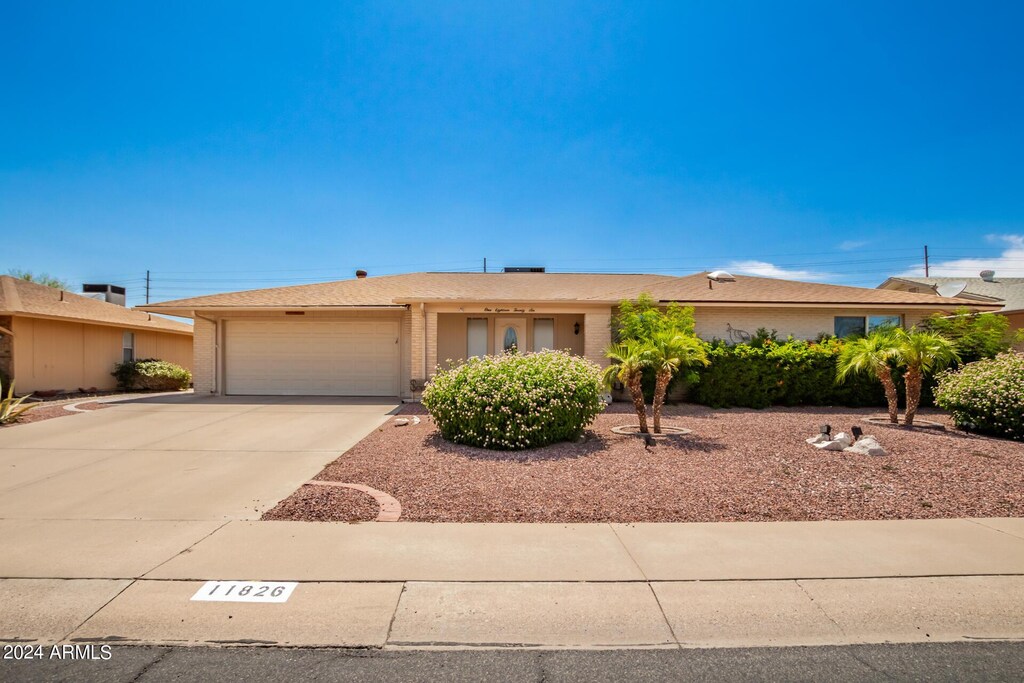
401 421
415 420
830 446
866 445
843 438
818 438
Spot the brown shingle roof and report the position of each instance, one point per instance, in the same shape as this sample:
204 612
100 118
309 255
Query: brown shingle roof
20 297
393 290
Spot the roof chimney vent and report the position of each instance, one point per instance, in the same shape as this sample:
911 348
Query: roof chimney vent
360 274
524 269
112 294
988 275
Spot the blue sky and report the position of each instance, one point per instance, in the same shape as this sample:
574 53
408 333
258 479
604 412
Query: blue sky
235 145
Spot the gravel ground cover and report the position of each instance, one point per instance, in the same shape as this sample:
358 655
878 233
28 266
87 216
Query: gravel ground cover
738 465
325 504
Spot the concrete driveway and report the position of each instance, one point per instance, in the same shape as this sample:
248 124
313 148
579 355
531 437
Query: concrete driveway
176 457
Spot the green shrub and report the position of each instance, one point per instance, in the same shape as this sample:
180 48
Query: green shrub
515 401
151 374
977 335
986 396
790 373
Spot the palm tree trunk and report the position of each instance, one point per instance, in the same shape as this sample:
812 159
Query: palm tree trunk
913 394
891 397
636 390
660 389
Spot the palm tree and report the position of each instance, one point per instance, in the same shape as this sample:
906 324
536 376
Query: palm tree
667 353
871 355
628 363
922 353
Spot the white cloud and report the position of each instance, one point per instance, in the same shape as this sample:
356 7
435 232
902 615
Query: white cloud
765 269
1010 263
850 245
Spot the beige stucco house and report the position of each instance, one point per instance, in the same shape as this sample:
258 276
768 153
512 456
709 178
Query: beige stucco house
51 339
384 336
988 287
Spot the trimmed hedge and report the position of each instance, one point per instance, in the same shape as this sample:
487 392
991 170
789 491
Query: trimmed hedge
515 401
986 396
789 373
151 374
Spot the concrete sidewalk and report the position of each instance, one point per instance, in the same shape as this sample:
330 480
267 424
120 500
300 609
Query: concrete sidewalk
409 585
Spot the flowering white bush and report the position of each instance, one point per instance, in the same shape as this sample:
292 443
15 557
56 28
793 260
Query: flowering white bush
515 401
986 396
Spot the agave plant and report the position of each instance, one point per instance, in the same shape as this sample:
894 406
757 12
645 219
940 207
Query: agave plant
10 407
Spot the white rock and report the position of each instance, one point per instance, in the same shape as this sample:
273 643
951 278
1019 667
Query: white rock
401 421
866 445
843 438
830 446
820 438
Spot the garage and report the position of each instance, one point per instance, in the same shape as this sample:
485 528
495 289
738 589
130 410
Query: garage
312 357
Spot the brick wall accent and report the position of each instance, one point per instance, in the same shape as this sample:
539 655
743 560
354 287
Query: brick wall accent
416 338
597 335
6 350
431 332
204 356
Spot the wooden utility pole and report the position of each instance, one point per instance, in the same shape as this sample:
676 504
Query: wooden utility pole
926 260
147 287
485 264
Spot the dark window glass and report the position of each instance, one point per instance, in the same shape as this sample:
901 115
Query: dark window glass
847 325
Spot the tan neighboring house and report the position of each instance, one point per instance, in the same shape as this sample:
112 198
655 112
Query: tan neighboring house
384 336
51 339
1008 292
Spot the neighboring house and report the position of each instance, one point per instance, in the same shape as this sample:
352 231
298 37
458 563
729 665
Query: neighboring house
383 336
1006 291
51 339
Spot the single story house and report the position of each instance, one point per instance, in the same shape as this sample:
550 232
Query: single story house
384 336
1008 292
53 340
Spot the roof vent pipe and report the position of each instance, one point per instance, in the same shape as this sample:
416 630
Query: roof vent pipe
988 275
360 274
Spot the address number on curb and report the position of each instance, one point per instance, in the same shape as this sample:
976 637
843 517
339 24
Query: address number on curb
245 591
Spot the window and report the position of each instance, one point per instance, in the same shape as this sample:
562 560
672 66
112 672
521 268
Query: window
847 325
476 337
543 334
877 321
128 347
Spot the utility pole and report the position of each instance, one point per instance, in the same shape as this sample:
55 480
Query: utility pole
926 260
147 287
485 264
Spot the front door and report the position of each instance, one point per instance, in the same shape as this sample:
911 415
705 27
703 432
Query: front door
509 333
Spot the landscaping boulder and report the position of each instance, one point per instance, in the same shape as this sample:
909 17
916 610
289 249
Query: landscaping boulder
866 445
829 446
819 438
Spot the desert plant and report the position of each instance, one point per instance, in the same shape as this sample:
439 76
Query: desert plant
667 353
977 335
151 374
515 401
871 356
921 353
628 363
11 408
986 396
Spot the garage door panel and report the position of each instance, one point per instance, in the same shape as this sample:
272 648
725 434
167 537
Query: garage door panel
328 358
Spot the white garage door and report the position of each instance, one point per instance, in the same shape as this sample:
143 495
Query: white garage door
312 358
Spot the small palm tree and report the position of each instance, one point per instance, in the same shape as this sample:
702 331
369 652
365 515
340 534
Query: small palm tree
871 355
628 363
922 353
667 353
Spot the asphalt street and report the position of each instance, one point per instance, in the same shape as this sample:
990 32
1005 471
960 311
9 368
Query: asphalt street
981 661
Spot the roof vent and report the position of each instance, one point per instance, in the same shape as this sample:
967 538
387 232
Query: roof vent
524 269
988 275
360 274
112 294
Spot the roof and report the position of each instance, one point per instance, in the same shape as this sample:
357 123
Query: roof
595 288
20 297
1008 290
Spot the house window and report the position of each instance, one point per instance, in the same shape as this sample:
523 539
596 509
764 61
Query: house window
128 347
476 337
877 321
543 334
847 325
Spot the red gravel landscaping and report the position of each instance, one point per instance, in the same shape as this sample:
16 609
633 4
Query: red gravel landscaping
45 411
738 465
